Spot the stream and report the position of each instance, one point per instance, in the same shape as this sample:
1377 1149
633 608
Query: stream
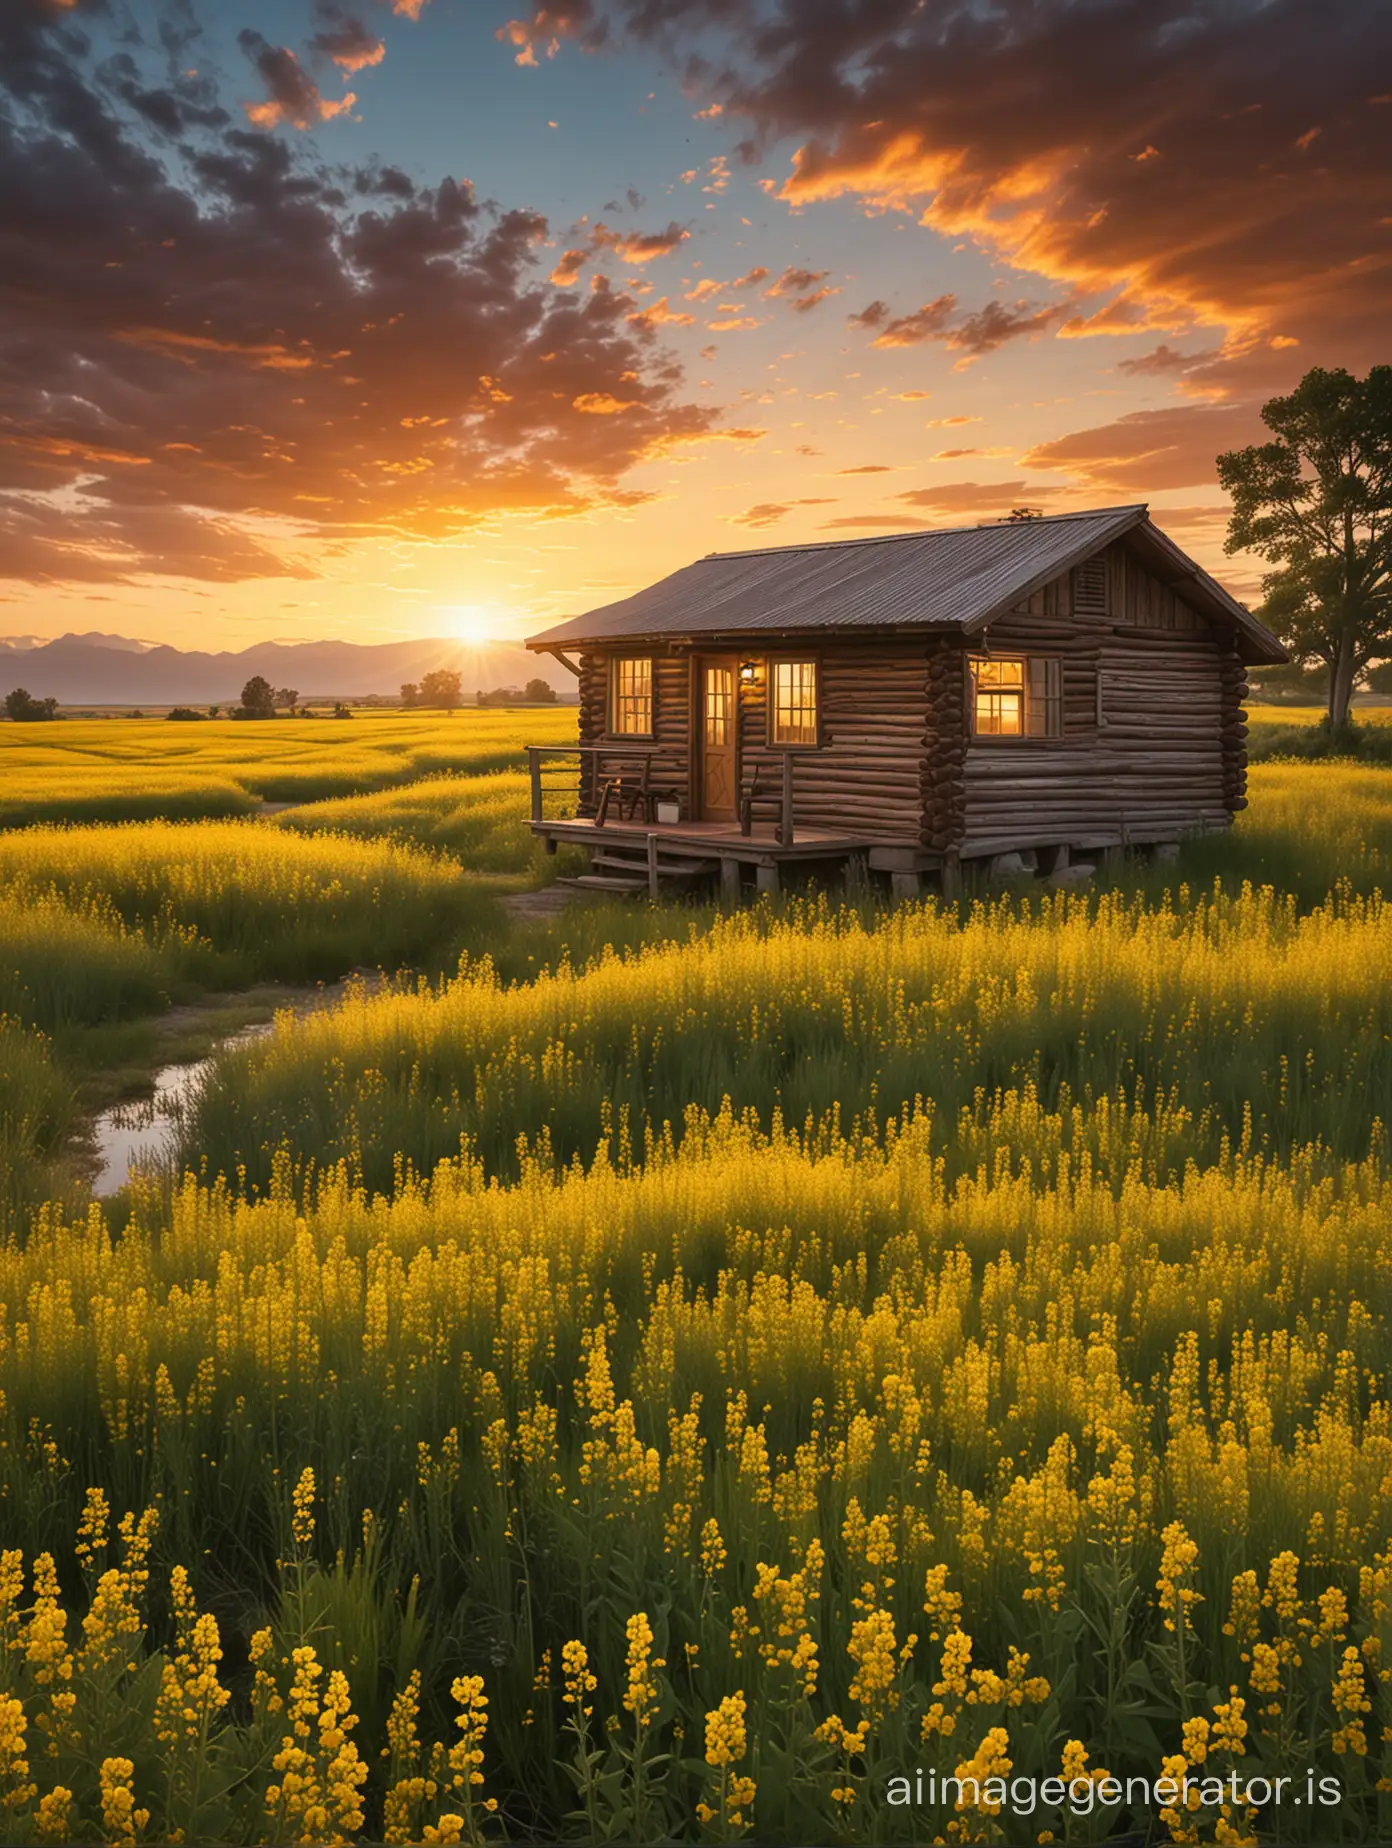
133 1138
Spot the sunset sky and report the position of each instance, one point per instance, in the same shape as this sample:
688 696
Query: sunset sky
380 318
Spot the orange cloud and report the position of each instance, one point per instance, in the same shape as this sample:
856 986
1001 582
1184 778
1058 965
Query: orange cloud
660 314
567 271
639 246
769 513
603 404
176 343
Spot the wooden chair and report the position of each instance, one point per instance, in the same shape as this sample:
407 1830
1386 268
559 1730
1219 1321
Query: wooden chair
764 800
633 794
760 802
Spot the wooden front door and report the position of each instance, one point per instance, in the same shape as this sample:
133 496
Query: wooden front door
717 723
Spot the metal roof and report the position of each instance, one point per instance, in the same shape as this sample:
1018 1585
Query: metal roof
953 578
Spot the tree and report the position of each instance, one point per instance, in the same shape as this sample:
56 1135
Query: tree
289 697
1316 502
410 694
258 698
540 692
24 709
441 687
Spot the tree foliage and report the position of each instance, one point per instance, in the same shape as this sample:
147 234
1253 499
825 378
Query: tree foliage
441 687
24 709
1316 503
258 698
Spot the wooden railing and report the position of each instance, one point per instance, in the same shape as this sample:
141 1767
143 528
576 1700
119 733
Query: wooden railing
573 770
557 767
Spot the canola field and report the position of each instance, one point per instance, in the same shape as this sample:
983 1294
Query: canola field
663 1376
142 769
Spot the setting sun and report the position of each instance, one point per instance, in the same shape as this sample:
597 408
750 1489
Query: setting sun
475 625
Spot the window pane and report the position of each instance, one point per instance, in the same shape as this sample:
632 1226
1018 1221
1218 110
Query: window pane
795 702
633 697
720 705
998 697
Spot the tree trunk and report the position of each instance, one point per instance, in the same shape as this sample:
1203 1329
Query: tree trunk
1341 672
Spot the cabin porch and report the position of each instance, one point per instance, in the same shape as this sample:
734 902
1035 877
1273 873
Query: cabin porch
634 848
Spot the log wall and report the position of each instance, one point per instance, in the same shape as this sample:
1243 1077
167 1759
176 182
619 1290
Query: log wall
1152 742
866 778
671 717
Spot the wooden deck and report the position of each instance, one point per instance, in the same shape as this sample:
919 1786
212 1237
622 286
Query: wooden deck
630 855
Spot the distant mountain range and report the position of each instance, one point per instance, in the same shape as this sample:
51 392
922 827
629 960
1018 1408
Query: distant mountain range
113 670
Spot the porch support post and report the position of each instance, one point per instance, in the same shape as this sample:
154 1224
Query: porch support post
766 877
730 879
534 766
652 866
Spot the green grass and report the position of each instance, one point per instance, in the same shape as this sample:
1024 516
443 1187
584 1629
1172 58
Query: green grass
236 902
482 819
38 1109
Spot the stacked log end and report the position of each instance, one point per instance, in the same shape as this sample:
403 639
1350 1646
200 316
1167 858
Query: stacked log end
943 781
594 700
1234 733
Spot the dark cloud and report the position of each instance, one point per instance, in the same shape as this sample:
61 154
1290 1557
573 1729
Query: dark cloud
1220 162
992 326
44 545
213 347
971 334
345 39
1162 361
930 322
292 95
1145 451
801 287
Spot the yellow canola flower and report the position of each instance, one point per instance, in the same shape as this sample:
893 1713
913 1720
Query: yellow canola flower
642 1693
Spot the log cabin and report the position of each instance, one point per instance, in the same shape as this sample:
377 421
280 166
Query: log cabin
1017 695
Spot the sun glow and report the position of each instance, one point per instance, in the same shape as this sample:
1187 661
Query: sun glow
476 625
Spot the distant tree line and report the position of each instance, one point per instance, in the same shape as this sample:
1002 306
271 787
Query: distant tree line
535 693
440 687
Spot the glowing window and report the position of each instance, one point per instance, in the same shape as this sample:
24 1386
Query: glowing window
631 699
1017 698
794 693
998 698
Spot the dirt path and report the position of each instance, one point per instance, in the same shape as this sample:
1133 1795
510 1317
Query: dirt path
548 902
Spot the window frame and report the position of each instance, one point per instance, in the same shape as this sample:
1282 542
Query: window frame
771 666
616 665
1051 667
